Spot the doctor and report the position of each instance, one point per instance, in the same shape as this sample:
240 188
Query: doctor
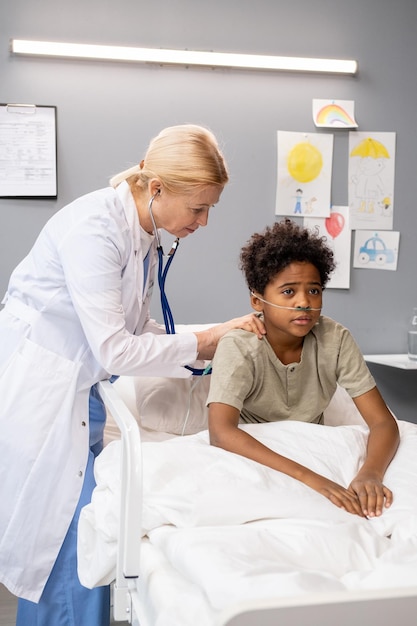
77 312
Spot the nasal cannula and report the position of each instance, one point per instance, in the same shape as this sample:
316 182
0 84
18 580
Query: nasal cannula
289 308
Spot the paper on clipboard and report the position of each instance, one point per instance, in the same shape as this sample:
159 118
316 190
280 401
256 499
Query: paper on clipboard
27 151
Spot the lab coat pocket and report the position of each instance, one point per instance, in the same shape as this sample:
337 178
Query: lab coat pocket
37 390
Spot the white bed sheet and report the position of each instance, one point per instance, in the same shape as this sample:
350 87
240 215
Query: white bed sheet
164 597
265 560
219 522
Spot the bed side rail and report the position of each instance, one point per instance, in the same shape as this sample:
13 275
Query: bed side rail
128 551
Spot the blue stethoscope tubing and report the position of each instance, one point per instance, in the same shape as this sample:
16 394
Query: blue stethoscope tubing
162 274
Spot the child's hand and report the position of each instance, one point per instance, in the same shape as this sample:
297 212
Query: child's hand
346 499
371 493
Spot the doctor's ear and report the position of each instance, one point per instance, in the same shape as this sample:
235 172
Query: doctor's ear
155 187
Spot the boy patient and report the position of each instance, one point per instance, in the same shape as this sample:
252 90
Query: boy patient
292 373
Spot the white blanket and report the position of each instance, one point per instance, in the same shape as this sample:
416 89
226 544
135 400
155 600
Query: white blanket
213 511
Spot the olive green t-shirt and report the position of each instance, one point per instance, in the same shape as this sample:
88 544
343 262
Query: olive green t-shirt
249 376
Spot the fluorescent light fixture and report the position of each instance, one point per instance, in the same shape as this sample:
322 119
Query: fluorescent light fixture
183 57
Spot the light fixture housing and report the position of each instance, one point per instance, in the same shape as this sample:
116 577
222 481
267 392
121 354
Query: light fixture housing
186 58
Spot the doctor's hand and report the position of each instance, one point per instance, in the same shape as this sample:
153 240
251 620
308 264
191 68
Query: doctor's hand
207 340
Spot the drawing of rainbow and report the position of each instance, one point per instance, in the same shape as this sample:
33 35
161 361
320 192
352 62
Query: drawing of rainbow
334 115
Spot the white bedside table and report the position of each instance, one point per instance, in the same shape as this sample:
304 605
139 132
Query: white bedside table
400 361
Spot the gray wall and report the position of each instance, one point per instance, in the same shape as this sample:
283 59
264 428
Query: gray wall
107 112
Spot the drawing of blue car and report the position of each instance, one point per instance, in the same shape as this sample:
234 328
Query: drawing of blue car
375 249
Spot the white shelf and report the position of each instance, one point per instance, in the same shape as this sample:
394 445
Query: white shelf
400 361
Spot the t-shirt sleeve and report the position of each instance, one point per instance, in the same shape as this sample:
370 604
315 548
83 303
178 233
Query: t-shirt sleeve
232 375
352 371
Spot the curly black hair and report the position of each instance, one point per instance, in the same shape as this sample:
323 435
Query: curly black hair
285 242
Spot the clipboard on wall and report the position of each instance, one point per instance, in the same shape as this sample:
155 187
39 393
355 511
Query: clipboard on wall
28 151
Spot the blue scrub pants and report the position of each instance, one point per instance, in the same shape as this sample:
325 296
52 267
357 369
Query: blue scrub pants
64 601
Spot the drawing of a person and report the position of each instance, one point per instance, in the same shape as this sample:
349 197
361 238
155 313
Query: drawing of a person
298 197
369 186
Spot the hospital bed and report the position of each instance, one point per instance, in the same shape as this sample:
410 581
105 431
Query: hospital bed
190 534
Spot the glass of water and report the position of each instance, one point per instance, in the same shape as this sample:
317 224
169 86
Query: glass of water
412 337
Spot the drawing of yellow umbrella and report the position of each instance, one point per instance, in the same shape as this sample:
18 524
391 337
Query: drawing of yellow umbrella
370 148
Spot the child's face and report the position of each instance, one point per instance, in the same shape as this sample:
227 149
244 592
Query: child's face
298 285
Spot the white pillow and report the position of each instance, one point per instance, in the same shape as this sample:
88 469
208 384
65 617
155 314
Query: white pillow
172 405
342 410
178 405
160 405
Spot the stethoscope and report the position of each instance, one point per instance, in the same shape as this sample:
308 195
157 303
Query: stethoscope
162 274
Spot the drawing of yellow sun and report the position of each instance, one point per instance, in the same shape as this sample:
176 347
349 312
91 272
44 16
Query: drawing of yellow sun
304 162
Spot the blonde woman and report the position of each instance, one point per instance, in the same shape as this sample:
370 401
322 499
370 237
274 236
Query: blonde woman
77 312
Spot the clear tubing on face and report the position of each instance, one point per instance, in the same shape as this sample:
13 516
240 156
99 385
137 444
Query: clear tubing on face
289 308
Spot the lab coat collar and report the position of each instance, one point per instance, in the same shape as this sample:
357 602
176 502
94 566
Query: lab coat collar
141 239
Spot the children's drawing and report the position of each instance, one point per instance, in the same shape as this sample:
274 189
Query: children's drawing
335 223
304 174
371 180
298 198
376 250
338 234
334 113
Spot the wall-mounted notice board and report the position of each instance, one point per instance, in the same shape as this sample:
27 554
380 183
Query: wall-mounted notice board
28 149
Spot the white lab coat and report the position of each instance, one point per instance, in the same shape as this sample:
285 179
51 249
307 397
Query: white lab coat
75 313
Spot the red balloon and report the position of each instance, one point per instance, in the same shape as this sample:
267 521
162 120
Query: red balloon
335 224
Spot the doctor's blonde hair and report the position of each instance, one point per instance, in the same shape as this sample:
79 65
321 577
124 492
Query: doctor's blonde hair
182 157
